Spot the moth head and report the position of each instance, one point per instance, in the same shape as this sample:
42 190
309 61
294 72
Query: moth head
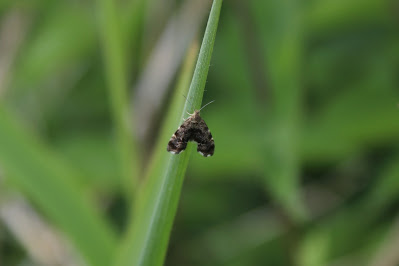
196 116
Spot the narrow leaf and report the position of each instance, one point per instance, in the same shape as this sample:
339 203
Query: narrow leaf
147 241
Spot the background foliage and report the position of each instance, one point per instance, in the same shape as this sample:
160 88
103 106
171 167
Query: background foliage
306 125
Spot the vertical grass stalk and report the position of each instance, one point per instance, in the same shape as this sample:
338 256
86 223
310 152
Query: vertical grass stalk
148 237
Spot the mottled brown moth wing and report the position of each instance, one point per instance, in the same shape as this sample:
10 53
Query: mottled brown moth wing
204 139
195 129
178 141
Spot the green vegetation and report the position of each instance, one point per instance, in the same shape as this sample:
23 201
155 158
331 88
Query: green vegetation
306 126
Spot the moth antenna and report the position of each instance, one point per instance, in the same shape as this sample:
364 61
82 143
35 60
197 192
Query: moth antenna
187 99
206 105
189 102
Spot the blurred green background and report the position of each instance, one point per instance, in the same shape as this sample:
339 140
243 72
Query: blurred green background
305 122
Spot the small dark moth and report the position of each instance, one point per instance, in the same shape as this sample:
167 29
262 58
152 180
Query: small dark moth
195 129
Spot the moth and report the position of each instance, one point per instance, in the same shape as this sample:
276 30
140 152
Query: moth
194 129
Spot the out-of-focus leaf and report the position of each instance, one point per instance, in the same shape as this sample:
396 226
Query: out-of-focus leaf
357 118
281 37
55 188
313 249
116 71
94 155
63 41
50 61
324 16
344 230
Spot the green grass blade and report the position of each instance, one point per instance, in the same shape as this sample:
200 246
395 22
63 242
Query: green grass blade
197 86
159 158
148 237
173 119
283 42
54 188
116 72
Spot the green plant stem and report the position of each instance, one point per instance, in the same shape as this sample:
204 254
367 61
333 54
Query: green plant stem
147 239
196 92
